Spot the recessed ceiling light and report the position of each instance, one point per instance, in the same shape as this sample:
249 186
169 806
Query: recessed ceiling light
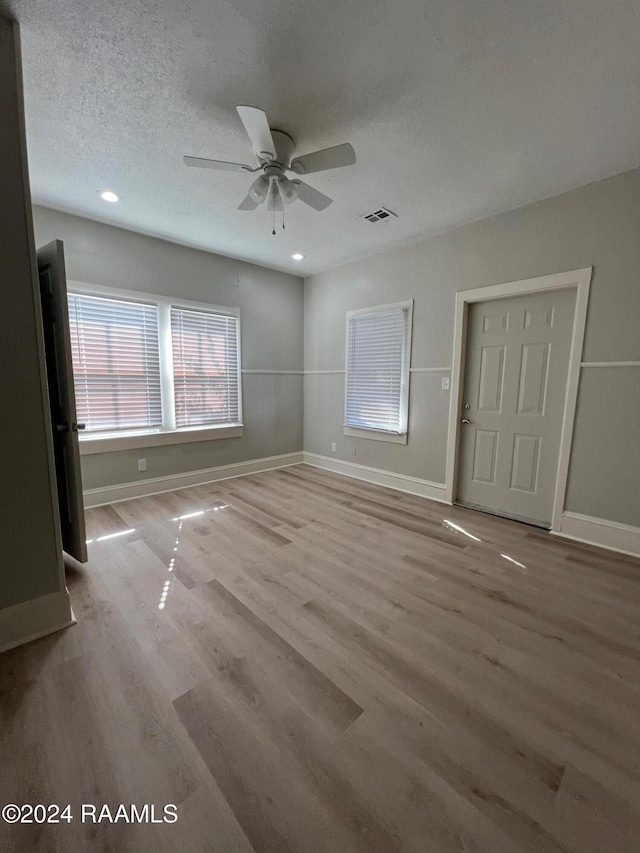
298 257
108 195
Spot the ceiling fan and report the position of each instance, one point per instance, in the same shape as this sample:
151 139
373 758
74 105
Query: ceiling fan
273 150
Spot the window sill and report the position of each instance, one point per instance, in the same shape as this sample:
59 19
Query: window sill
376 435
106 444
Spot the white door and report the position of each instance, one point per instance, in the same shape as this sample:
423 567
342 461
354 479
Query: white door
516 366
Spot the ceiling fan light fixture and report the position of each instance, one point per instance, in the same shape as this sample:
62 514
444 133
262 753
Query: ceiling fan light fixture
288 190
274 202
298 256
259 189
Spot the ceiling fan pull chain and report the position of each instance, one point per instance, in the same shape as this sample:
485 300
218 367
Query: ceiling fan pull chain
273 221
283 218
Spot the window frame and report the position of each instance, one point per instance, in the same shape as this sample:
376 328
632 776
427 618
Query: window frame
168 433
381 434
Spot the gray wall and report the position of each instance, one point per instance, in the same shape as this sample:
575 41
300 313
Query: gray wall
271 324
29 544
597 225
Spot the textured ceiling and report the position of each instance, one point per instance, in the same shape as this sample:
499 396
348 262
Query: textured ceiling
457 109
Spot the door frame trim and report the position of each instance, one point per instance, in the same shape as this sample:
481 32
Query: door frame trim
581 281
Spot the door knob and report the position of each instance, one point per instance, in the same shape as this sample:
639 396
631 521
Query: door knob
466 421
76 427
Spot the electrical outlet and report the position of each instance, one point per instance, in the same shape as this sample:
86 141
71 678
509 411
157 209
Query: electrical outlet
333 447
142 464
445 383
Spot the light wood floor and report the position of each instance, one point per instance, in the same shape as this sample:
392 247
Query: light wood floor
303 663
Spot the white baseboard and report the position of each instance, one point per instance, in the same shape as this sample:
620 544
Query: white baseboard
598 531
400 482
157 485
30 620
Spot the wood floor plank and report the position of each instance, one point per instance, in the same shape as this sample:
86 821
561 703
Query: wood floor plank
249 641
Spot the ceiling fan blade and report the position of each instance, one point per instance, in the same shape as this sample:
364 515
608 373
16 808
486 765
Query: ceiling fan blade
221 165
328 158
314 198
247 204
257 127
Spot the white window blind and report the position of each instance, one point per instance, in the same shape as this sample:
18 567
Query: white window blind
377 369
116 364
205 367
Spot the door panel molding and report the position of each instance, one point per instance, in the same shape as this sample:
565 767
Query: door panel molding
534 376
581 281
485 455
524 462
491 382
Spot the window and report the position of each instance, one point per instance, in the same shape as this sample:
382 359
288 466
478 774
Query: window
152 370
377 372
205 367
116 364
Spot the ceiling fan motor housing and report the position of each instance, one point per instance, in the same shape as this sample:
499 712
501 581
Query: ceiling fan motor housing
284 147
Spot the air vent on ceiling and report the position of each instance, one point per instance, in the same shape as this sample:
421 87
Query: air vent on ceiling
381 214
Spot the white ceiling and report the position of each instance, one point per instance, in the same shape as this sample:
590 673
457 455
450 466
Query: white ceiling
457 109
